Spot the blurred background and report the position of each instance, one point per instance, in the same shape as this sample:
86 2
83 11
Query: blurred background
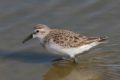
31 62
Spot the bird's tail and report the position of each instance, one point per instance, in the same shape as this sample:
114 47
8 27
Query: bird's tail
103 39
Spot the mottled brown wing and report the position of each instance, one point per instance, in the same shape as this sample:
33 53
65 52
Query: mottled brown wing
68 39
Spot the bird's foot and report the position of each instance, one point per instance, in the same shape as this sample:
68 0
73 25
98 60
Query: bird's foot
65 60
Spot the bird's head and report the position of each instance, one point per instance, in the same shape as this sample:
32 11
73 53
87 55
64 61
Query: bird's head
40 32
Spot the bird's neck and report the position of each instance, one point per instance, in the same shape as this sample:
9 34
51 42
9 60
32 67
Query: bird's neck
43 38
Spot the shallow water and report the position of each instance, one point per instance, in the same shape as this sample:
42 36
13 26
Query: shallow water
31 62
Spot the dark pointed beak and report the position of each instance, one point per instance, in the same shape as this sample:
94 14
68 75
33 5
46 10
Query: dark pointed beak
28 38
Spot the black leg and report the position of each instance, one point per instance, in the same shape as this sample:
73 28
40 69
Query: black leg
58 59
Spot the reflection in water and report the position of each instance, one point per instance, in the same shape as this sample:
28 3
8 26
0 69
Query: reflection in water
73 72
88 69
59 71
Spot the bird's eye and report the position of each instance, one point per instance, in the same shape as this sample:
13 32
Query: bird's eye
37 31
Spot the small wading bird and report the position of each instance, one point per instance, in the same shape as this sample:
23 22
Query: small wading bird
64 42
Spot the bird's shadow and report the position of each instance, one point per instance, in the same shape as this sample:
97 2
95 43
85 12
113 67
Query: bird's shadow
28 57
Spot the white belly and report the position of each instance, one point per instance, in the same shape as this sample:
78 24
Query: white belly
56 49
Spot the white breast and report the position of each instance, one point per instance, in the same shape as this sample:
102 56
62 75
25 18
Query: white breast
56 49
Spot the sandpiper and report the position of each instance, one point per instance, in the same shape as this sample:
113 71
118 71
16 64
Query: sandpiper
64 42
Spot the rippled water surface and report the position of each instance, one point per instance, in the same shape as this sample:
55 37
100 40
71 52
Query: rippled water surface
31 62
